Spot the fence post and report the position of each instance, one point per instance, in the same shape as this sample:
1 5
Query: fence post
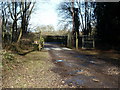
83 41
39 44
68 39
76 41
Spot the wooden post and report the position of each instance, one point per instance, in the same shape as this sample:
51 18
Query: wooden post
39 46
83 41
76 41
68 39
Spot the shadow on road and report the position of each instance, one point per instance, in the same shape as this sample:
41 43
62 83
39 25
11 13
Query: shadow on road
82 70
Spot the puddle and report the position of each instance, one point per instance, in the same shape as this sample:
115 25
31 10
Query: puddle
60 62
79 56
83 81
97 62
57 61
86 73
93 62
74 82
79 72
66 64
72 73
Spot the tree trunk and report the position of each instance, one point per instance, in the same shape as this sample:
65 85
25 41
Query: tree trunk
73 22
13 32
15 20
20 35
85 18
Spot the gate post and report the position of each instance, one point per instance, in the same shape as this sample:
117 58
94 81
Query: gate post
93 42
69 39
82 41
76 41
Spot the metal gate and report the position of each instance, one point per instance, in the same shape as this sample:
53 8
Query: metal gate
88 42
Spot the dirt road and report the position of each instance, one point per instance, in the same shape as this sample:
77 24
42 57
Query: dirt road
80 70
61 67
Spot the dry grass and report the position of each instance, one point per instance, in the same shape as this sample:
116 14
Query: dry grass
34 71
110 54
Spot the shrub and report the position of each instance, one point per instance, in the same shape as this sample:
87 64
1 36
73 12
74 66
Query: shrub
8 56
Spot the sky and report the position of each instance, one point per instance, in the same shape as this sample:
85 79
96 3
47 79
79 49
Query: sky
45 13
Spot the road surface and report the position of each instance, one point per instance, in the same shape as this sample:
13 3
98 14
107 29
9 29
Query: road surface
59 67
80 70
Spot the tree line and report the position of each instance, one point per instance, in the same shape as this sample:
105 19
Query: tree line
100 19
15 20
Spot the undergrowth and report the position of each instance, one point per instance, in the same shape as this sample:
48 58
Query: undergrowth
8 58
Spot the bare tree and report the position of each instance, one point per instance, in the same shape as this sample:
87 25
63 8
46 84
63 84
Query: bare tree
12 14
72 14
26 8
5 19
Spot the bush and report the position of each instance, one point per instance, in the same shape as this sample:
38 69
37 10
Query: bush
8 56
25 44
